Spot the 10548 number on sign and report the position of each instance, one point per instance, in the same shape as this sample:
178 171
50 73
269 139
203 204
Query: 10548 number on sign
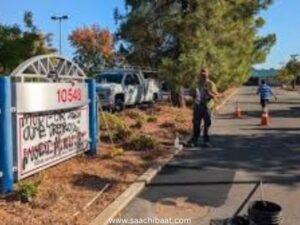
69 95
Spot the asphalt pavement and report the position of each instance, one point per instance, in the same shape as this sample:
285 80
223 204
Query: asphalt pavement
207 185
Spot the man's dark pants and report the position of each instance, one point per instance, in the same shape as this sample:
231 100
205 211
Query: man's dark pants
264 102
201 113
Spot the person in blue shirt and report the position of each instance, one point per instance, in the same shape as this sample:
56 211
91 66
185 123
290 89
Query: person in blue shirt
266 94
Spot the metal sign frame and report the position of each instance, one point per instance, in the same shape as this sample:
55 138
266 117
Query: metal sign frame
49 68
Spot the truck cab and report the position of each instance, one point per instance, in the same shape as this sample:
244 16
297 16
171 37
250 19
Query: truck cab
119 88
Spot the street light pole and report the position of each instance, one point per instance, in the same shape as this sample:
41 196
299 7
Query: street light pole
60 37
60 19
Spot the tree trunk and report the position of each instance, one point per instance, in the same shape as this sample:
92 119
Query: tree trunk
177 97
294 83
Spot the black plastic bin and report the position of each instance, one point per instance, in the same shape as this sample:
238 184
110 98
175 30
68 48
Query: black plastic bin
265 213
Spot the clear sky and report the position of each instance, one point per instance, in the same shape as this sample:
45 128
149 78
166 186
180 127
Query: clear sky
81 12
282 18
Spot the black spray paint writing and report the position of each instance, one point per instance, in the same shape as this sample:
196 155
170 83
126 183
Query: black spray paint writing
36 127
49 136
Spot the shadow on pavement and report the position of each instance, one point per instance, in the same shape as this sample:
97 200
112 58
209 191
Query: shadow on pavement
257 102
287 129
291 102
206 176
292 112
178 178
277 152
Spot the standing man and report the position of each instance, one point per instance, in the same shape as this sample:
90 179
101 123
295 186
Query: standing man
266 93
206 93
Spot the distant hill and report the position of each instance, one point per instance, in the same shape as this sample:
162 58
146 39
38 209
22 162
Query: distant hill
264 73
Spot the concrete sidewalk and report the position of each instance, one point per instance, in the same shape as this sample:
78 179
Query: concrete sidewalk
211 184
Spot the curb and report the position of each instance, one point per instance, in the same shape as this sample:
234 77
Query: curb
226 100
131 192
138 186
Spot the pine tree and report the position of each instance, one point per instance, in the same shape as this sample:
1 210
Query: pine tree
181 37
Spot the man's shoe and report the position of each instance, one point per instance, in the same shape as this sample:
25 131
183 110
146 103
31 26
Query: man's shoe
191 144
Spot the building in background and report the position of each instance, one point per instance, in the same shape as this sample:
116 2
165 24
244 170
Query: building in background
269 75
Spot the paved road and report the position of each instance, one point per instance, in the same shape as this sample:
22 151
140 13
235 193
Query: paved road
211 184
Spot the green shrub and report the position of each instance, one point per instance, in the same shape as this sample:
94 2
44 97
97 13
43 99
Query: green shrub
134 114
180 119
112 121
139 123
28 190
121 133
152 119
138 117
143 143
119 130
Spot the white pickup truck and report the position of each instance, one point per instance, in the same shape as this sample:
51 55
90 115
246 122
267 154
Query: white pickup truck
118 88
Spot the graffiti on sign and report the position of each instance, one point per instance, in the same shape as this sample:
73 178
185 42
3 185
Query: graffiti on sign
46 139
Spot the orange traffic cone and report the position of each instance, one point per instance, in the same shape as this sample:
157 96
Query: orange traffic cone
238 112
265 118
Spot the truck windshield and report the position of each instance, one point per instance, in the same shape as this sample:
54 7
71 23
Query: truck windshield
110 78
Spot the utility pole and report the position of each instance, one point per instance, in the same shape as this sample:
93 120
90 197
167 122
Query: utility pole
60 19
294 57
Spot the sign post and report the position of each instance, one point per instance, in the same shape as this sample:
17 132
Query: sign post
93 118
6 146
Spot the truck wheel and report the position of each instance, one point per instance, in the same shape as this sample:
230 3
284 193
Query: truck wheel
119 105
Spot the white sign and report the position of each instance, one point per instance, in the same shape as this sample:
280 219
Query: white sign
40 97
45 139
